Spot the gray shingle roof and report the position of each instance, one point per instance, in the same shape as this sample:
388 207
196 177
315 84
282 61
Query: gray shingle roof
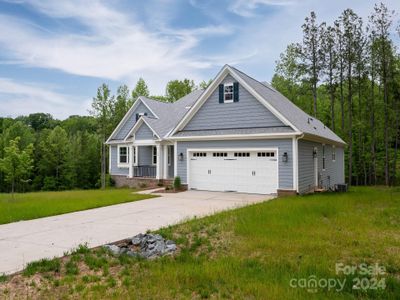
234 131
169 114
302 121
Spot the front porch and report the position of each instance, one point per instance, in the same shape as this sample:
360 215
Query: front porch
154 161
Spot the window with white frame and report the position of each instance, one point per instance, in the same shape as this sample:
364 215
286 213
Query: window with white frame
228 92
323 157
333 153
154 156
123 155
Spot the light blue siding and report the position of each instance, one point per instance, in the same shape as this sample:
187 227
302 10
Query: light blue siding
333 173
144 155
283 145
114 170
144 133
247 113
131 120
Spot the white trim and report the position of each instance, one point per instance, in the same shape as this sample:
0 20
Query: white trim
295 154
136 156
188 150
109 160
158 162
117 142
218 79
119 164
323 150
228 84
130 175
175 159
145 142
237 136
127 115
165 161
137 126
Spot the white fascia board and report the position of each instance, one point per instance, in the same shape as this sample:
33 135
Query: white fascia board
218 79
148 107
124 118
236 136
116 142
261 99
137 126
204 96
322 140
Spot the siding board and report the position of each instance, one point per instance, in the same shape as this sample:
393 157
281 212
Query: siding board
246 113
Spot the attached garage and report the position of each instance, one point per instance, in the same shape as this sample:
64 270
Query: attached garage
238 170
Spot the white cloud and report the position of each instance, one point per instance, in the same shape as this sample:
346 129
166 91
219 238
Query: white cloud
20 98
246 8
115 46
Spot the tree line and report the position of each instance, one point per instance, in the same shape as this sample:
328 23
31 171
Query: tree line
347 74
38 152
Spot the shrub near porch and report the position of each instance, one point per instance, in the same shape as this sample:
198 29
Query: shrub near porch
251 252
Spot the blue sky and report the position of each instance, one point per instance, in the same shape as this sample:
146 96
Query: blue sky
54 54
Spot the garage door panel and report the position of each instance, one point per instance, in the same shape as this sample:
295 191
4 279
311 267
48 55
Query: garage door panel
245 171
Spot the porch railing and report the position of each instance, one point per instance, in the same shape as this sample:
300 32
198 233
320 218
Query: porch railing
144 171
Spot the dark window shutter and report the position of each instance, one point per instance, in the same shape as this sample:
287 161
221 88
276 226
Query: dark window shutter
221 93
145 114
236 92
137 117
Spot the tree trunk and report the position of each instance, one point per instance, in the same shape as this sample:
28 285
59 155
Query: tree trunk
350 100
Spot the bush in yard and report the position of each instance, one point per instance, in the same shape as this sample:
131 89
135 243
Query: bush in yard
177 183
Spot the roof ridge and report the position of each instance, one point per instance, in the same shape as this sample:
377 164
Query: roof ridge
267 86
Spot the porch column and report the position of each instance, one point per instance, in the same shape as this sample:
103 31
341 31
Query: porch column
130 161
165 162
158 165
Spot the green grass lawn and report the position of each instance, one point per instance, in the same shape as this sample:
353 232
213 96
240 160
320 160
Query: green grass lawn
42 204
248 253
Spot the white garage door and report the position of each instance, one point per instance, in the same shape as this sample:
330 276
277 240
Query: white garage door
239 171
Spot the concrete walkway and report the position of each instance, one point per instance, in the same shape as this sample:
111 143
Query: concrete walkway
27 241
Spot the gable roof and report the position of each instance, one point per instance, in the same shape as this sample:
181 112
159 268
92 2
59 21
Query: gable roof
169 114
279 105
303 122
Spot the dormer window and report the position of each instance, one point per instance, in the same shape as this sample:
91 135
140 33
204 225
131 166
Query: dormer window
138 115
228 92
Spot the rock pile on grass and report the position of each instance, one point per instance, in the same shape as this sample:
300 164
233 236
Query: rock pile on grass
143 245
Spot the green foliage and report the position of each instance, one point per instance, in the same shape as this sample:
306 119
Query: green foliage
29 206
140 89
256 252
349 70
43 266
177 183
16 164
177 89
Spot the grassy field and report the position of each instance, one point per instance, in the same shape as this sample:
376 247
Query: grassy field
42 204
249 253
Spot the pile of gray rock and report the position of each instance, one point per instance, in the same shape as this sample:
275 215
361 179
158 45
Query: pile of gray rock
143 245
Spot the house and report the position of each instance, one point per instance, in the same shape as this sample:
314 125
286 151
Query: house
239 134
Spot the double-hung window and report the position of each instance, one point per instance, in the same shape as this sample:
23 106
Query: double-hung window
123 155
154 155
228 92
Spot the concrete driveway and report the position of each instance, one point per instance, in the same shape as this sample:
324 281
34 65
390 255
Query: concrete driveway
27 241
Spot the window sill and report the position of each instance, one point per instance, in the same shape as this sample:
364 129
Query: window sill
123 166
